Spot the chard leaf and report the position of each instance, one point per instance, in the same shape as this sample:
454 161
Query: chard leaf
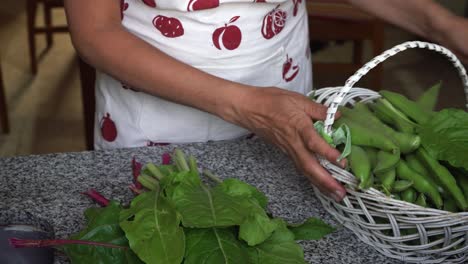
103 226
257 227
279 248
311 229
237 188
445 137
428 99
202 207
152 227
214 245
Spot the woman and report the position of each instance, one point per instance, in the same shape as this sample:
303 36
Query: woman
173 71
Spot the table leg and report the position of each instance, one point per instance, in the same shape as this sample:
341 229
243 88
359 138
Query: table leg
31 6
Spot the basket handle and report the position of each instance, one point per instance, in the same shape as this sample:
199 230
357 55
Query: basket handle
338 98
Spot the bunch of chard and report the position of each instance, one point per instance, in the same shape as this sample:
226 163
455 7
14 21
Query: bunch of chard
177 218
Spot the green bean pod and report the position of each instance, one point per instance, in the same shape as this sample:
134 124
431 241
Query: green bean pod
387 179
407 107
372 155
402 185
409 195
364 137
361 167
445 177
407 143
421 200
420 183
413 162
386 161
393 117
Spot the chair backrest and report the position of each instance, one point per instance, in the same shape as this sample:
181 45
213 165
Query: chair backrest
88 78
4 122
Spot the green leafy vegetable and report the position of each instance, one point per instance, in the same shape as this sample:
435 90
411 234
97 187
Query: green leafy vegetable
103 226
152 227
203 207
237 188
280 248
428 99
445 137
311 229
214 245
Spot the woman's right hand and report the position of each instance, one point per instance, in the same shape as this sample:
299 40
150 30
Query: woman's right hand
284 118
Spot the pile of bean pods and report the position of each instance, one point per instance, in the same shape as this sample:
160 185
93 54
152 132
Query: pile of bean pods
386 154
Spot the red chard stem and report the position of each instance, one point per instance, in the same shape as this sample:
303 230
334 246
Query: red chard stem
136 168
30 243
97 197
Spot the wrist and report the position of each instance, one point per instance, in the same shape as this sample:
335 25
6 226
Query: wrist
233 102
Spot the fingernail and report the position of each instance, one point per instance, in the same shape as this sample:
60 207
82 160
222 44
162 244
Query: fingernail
337 196
342 163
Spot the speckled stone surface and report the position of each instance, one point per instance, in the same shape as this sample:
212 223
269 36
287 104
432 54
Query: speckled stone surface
49 187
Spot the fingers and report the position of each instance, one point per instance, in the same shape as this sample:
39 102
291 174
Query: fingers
315 143
315 111
318 176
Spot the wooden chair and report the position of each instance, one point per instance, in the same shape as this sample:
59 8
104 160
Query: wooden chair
5 125
88 77
334 20
49 29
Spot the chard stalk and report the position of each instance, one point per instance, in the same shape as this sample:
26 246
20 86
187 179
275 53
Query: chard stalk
213 177
136 168
166 159
31 243
148 182
154 171
97 197
180 160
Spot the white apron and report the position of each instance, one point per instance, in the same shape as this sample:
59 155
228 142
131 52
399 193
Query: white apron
264 43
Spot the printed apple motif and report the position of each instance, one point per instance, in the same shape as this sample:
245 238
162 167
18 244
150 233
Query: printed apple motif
150 3
194 5
108 128
168 26
289 71
296 6
123 7
273 23
229 36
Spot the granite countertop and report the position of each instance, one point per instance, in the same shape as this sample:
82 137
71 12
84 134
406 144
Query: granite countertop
49 187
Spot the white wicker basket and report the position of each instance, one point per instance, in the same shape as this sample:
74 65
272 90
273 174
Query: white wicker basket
442 236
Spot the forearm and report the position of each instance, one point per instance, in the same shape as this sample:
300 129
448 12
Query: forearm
425 18
112 49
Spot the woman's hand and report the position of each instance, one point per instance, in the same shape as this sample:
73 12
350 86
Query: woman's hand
285 119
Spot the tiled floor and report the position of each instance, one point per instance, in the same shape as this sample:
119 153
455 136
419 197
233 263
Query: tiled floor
45 110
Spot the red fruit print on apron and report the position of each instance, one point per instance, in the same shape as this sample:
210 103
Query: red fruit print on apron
228 37
253 42
150 3
168 26
273 23
194 5
108 128
123 7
